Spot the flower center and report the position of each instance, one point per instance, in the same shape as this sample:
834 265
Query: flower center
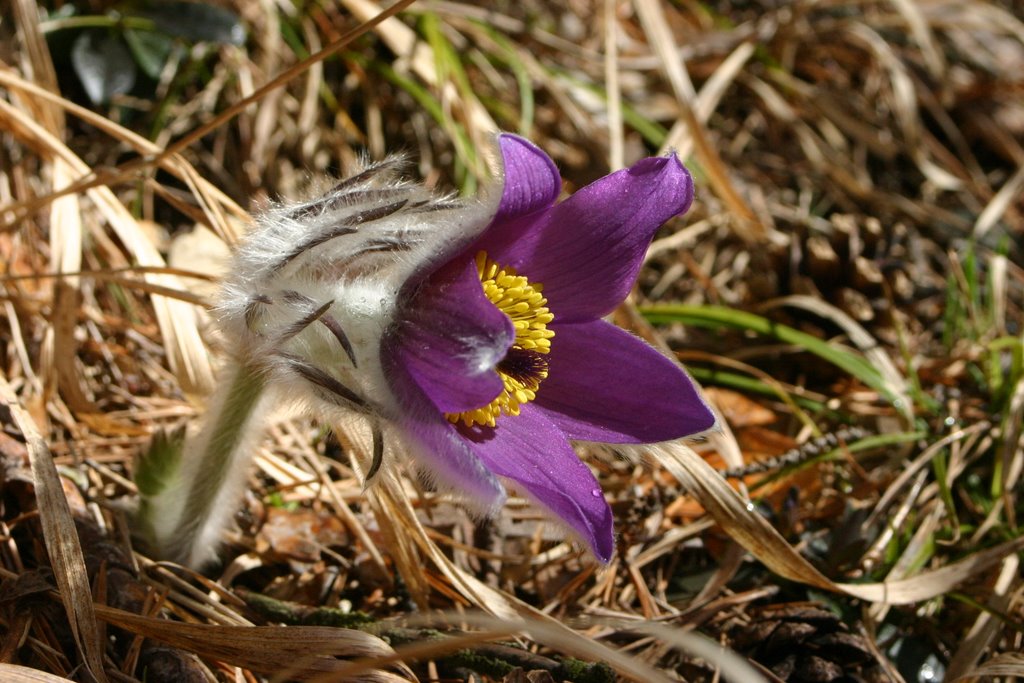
524 367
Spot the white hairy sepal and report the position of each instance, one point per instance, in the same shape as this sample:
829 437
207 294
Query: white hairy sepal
315 286
308 299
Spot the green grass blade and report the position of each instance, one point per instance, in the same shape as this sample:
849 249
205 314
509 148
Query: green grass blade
747 384
524 82
868 443
717 317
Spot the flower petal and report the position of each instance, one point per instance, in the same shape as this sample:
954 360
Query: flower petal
451 338
533 452
606 385
531 179
587 250
444 456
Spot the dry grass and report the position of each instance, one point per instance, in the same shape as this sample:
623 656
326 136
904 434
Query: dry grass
852 267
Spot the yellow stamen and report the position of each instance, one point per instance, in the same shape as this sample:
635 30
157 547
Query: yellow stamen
524 366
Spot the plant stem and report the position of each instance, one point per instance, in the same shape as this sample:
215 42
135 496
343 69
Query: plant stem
187 517
228 432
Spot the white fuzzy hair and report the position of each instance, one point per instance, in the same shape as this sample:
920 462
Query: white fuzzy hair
311 293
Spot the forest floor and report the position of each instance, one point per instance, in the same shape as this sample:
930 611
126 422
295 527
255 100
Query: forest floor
847 288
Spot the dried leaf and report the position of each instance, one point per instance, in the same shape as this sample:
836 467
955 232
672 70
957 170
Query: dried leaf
739 410
200 251
60 537
298 651
12 673
106 425
300 534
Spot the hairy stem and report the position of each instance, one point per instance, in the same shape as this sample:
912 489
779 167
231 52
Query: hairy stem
187 516
228 432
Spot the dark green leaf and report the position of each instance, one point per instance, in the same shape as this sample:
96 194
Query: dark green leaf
158 465
150 49
103 64
194 21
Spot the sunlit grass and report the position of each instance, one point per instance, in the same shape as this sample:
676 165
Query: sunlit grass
873 146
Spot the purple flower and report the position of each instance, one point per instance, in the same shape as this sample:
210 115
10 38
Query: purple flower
499 357
471 332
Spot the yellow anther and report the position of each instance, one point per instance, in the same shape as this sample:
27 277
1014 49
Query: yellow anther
523 368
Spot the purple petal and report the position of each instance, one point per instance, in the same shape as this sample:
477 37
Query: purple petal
587 250
443 455
606 385
533 452
531 180
451 338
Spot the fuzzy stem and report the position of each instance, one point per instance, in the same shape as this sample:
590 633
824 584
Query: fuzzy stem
229 426
188 516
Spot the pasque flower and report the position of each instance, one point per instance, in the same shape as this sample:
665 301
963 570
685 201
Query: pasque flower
469 336
498 379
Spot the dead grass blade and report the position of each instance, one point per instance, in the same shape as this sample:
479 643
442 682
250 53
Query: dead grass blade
750 530
655 25
1006 664
728 663
904 105
821 156
911 469
1009 193
562 639
987 626
735 515
187 354
616 152
398 521
12 673
930 515
408 541
115 275
90 180
302 651
66 249
1012 462
37 57
405 524
60 537
419 651
923 36
65 218
174 164
715 88
894 380
421 59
